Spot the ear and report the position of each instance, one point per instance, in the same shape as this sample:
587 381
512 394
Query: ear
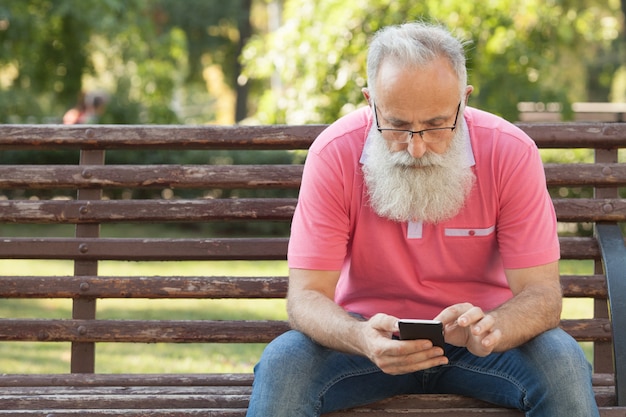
366 94
468 91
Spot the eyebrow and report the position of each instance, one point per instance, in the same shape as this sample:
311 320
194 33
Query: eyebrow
432 121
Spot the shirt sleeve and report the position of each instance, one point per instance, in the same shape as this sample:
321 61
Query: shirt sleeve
320 226
527 226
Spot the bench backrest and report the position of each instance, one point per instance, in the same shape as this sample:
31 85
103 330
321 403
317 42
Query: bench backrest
140 191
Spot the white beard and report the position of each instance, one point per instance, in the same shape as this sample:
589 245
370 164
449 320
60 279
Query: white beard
432 188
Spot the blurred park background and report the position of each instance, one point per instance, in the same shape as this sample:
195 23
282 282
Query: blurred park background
289 61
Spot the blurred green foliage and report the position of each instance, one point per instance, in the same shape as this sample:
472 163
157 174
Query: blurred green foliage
146 55
522 50
305 62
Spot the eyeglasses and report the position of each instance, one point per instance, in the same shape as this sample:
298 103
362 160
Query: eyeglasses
432 135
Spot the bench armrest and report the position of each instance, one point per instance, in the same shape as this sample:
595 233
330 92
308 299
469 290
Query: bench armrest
614 260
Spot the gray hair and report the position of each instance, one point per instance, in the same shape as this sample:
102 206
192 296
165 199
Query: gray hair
415 44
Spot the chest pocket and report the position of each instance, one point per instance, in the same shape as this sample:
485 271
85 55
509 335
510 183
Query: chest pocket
469 232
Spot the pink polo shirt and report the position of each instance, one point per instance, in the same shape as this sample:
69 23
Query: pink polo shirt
417 269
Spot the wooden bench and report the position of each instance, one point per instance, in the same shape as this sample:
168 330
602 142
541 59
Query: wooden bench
97 202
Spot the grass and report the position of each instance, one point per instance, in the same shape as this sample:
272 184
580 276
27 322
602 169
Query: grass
33 357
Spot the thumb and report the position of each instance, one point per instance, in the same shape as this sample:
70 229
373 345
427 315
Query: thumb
384 322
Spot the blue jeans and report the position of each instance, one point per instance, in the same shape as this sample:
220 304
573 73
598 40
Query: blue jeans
547 377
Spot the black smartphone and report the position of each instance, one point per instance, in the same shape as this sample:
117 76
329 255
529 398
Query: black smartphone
411 329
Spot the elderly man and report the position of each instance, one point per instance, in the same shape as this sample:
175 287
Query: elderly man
418 206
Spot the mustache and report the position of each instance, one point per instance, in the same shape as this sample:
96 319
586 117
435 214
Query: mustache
431 188
404 159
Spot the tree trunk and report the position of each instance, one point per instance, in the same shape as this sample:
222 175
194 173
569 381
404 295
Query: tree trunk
242 88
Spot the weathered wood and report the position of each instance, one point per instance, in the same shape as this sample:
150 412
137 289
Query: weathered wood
583 286
141 331
577 135
124 401
546 135
579 248
197 331
200 412
588 175
119 211
148 137
590 210
146 380
472 412
146 287
592 286
113 393
587 330
171 398
239 176
22 382
155 249
145 176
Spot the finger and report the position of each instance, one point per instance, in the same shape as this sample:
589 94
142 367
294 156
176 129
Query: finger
452 313
471 317
492 339
384 322
418 361
484 326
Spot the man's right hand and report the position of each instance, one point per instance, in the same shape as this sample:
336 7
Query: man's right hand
393 356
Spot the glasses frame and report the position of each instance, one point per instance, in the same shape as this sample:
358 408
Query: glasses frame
410 133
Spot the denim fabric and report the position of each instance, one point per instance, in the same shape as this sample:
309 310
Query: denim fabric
547 377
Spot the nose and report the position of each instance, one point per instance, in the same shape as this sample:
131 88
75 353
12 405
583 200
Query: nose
416 147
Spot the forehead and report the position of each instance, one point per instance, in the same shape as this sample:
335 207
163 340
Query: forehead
416 93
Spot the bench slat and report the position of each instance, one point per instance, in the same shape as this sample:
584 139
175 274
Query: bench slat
576 135
592 286
422 405
590 209
197 331
200 412
491 412
546 135
154 249
116 211
149 380
213 396
139 390
239 176
199 210
139 331
141 387
148 137
161 400
145 380
589 175
143 176
144 287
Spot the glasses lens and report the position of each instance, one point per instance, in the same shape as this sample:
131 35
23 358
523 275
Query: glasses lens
400 136
437 135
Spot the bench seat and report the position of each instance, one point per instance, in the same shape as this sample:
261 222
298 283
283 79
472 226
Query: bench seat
212 395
